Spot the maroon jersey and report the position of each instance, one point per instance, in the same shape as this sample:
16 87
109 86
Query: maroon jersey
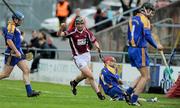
79 40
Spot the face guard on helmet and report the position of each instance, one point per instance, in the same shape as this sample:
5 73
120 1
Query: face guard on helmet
18 15
147 9
79 23
79 20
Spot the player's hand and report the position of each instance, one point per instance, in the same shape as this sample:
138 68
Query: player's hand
99 50
18 54
100 55
160 47
63 26
120 82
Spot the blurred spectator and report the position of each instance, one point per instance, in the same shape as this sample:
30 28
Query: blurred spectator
100 16
108 23
127 5
162 3
51 46
109 13
34 42
63 10
43 45
24 43
72 23
42 54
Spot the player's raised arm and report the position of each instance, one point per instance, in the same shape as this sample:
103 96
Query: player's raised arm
61 33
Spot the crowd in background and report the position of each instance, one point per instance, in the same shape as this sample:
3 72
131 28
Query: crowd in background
107 13
40 40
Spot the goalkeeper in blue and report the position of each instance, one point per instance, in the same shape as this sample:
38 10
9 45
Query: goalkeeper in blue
139 34
109 80
13 42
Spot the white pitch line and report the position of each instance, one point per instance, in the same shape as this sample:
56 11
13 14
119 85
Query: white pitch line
58 94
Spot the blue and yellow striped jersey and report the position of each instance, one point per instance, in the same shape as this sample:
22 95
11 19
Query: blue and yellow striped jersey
108 78
12 33
139 32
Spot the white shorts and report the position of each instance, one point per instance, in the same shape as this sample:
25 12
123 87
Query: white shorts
82 60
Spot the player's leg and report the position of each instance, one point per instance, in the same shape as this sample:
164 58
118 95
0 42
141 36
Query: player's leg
116 93
75 82
6 71
8 67
88 73
133 53
80 62
26 71
143 80
130 90
79 78
141 61
143 64
141 84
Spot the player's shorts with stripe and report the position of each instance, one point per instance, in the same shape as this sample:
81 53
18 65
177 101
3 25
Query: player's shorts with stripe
82 60
10 60
138 57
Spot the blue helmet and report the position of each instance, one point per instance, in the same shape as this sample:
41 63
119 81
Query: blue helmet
148 5
18 15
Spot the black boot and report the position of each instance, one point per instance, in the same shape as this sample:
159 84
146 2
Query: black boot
100 96
34 93
73 87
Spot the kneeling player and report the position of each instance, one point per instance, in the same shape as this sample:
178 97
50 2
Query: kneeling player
109 80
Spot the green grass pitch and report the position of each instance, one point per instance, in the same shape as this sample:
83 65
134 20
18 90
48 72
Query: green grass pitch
13 95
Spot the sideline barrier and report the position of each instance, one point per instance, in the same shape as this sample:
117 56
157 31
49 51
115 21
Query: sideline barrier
61 71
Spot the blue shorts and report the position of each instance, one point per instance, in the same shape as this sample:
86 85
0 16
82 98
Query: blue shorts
138 57
10 60
115 92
